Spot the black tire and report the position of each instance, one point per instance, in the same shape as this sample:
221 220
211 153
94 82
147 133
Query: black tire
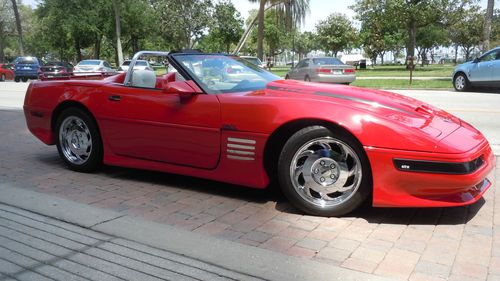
461 82
285 165
16 79
307 78
2 77
94 160
25 79
287 77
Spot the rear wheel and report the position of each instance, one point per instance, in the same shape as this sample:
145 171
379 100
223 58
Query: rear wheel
287 77
307 79
25 79
16 79
461 83
78 140
323 172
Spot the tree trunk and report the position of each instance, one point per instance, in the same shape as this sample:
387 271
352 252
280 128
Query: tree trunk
2 46
260 30
456 54
97 46
135 44
119 51
19 27
412 39
487 26
78 50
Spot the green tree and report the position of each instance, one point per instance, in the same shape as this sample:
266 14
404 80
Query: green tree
467 33
430 37
336 34
7 26
305 42
183 22
291 12
226 29
379 32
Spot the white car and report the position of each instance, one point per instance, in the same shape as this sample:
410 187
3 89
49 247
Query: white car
140 65
254 60
89 67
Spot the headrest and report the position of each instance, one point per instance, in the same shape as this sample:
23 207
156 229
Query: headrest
143 78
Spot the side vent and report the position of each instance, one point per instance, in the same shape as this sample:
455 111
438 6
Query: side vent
241 149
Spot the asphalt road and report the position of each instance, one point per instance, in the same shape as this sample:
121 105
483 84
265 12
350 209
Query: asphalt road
481 109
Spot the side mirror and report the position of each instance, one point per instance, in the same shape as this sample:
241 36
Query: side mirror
180 88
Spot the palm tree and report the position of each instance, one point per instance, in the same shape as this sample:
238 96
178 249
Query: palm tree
18 25
487 25
118 29
292 12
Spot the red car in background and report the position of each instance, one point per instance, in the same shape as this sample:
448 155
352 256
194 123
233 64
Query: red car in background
329 147
6 71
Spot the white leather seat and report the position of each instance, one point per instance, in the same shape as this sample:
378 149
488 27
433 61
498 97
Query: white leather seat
143 78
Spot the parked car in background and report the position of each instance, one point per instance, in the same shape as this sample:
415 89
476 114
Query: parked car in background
254 60
26 68
89 67
140 64
6 71
57 69
323 69
482 71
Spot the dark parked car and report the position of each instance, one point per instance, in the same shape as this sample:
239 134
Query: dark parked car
26 68
57 69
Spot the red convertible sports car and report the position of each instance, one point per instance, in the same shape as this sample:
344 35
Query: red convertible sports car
329 147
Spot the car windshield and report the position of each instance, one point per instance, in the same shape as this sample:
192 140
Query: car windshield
90 62
26 61
327 61
224 74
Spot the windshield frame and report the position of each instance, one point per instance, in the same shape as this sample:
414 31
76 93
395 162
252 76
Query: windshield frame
189 75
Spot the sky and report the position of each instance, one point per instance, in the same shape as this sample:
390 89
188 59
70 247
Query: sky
319 9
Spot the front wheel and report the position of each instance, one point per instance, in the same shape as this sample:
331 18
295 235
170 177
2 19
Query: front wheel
2 77
461 83
323 172
25 79
16 79
78 140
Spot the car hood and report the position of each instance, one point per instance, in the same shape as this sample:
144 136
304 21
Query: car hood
397 108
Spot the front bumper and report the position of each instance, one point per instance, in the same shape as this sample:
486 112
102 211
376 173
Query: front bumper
393 187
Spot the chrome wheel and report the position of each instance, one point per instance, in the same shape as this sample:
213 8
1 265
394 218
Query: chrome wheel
460 82
325 172
75 140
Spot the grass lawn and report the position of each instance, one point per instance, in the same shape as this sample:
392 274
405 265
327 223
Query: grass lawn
397 71
404 84
435 70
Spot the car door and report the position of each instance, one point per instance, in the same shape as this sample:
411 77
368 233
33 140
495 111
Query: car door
295 73
151 124
482 69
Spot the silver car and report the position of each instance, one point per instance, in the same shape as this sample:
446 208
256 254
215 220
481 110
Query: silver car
140 64
89 67
323 69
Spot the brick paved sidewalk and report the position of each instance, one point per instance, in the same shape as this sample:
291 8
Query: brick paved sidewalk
34 247
414 244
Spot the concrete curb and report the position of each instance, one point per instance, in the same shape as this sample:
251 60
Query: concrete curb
233 256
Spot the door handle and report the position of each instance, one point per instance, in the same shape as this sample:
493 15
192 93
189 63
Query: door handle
114 98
